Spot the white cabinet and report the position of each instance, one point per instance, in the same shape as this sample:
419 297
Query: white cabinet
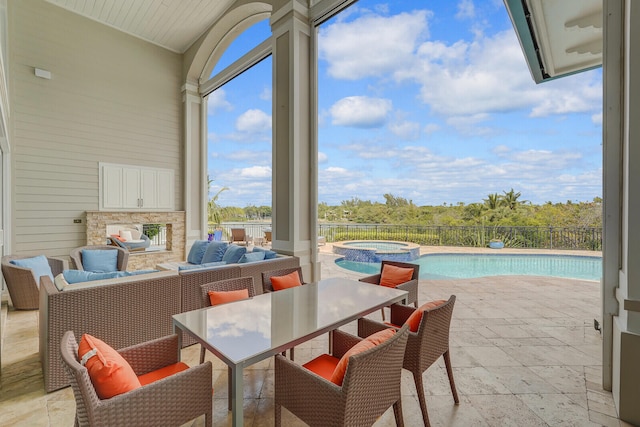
125 187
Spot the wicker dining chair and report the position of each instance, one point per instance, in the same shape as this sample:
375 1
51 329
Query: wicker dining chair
236 284
411 286
267 286
370 386
173 400
424 346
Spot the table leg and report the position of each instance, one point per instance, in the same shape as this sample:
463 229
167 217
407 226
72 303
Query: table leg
237 396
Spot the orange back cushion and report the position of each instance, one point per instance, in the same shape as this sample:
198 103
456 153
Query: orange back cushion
110 374
414 320
367 343
290 280
393 276
222 297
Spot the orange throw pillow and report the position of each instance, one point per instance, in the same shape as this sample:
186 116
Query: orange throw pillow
110 374
222 297
414 320
393 276
367 343
291 280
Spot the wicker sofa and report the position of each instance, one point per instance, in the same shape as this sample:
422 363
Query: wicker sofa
129 310
123 312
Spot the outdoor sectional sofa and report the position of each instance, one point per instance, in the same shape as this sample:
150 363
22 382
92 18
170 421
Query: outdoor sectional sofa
128 310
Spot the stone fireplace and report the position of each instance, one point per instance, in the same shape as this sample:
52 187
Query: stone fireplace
97 222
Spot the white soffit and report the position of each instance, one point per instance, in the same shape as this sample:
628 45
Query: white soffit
172 24
569 34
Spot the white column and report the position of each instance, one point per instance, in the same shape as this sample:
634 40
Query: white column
195 169
622 201
294 147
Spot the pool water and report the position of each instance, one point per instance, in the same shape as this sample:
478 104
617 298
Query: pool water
466 266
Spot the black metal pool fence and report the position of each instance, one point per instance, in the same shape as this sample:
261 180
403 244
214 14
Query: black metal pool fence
582 238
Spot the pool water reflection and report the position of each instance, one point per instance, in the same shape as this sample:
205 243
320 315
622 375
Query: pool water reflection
465 266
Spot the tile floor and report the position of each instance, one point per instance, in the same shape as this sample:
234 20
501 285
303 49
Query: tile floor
524 352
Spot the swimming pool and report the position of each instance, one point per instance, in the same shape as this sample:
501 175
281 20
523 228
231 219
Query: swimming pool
465 266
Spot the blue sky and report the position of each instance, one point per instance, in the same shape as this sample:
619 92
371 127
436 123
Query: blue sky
430 101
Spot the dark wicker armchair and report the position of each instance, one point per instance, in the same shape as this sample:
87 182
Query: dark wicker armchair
267 286
173 400
76 256
371 385
411 286
22 285
424 347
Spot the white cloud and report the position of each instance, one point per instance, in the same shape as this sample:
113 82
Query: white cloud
217 101
597 119
431 128
265 95
405 129
253 121
371 45
360 111
466 10
256 172
322 157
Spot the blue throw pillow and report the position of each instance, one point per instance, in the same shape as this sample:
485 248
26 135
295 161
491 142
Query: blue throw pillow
197 251
251 257
39 266
79 276
215 251
268 254
100 260
233 254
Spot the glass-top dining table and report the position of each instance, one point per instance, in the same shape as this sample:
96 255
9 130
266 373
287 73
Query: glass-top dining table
245 332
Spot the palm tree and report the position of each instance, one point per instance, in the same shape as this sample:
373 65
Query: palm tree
212 207
510 199
492 201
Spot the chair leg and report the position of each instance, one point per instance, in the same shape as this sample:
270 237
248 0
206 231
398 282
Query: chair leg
447 363
202 350
277 410
291 353
382 311
397 412
417 378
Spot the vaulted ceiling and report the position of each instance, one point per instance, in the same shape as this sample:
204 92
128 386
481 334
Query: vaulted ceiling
172 24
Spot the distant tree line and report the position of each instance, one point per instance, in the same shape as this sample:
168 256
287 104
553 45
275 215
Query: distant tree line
507 209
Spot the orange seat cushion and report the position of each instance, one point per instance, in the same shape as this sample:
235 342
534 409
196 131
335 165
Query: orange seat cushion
414 320
290 280
323 365
222 297
393 276
161 373
367 343
110 373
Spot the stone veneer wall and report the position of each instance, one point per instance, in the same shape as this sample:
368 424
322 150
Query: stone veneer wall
97 222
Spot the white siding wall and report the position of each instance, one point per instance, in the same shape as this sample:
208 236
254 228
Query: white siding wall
111 98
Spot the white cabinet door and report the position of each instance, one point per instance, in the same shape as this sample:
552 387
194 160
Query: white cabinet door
165 189
125 187
112 187
131 188
148 186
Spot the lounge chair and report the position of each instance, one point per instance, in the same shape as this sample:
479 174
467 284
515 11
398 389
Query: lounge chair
239 236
